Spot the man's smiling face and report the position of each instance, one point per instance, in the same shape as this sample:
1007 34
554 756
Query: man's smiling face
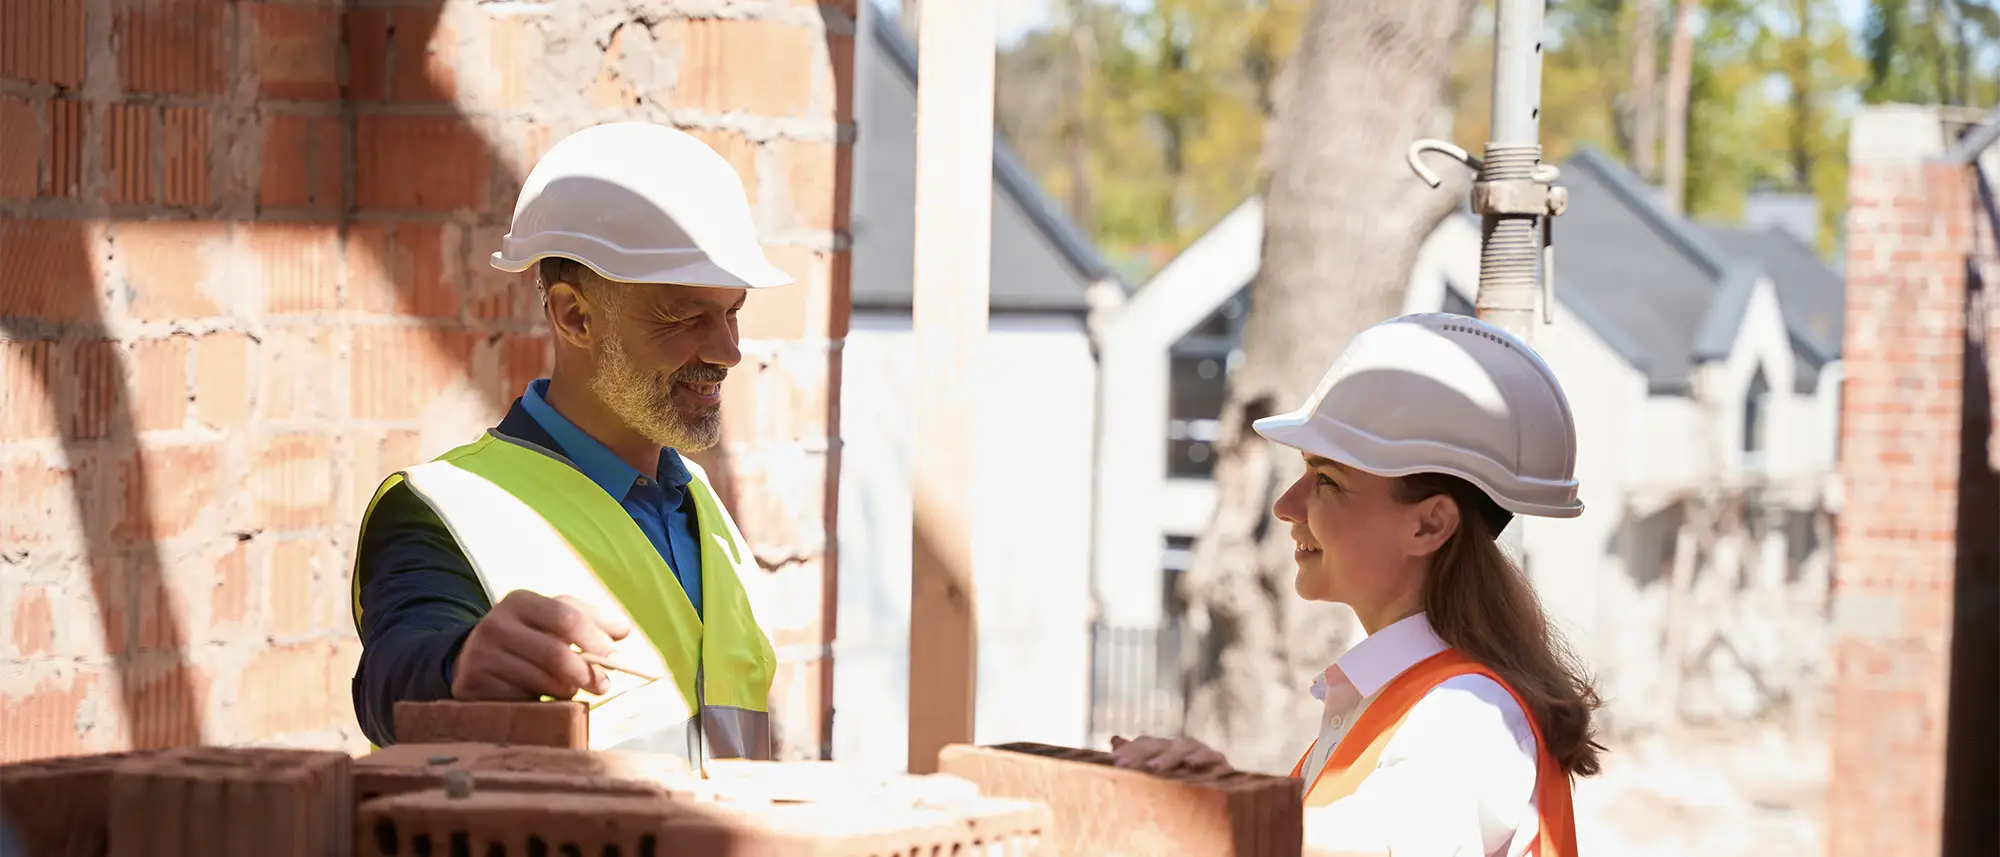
662 352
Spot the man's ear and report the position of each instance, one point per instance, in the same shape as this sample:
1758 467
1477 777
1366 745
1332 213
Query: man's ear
569 314
1433 521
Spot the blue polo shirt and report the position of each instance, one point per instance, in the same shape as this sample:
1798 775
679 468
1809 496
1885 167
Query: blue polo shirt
660 504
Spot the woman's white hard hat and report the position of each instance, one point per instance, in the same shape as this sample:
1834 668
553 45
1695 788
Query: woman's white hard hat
1442 393
639 203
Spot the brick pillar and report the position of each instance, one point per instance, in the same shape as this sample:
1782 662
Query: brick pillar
1972 780
1909 232
243 276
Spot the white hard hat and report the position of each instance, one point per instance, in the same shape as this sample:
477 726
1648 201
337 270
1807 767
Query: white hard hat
639 203
1442 393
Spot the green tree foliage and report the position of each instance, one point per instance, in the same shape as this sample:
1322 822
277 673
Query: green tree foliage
1147 122
1773 84
1147 119
1932 52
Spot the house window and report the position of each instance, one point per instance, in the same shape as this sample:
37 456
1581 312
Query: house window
1756 418
1195 413
1179 557
1198 378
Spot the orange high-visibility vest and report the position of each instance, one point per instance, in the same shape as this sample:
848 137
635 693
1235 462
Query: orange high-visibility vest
1355 757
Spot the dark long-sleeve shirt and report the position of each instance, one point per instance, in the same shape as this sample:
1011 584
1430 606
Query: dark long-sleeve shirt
420 597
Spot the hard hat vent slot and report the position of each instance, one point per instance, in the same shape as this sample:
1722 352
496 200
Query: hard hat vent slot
1479 333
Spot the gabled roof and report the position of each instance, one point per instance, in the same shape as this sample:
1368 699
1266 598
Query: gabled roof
1041 261
1652 274
1680 288
1663 293
1814 298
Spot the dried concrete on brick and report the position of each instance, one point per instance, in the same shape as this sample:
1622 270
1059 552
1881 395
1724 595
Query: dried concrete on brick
535 724
1105 811
406 768
516 824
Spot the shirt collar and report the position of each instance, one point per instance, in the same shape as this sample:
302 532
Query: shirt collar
1385 654
594 459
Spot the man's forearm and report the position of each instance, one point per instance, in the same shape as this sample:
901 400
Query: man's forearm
412 665
413 621
419 598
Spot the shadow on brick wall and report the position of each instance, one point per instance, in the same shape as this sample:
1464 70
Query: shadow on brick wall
146 122
1972 749
50 313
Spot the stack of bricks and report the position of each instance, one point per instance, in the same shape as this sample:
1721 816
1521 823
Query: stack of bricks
514 824
201 801
244 247
1107 811
490 800
522 799
59 806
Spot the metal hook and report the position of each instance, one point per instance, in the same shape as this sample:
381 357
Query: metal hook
1441 147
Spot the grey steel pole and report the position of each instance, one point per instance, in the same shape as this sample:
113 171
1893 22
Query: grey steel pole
1513 194
1508 244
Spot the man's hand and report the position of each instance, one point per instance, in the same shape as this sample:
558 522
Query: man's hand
521 650
1166 755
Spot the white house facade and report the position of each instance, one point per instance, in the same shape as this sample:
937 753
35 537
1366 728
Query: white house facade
1702 366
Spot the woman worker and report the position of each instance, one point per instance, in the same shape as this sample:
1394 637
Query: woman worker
1455 727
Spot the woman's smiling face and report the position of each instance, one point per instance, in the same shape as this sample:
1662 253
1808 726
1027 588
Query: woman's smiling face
1353 537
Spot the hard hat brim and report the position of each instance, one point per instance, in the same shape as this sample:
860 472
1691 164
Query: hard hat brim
1337 441
695 269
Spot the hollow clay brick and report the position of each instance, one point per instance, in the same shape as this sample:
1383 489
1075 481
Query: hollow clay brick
517 824
1106 811
419 767
59 807
223 802
535 724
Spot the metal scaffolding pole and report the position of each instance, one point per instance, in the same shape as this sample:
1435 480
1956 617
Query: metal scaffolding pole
1514 193
954 233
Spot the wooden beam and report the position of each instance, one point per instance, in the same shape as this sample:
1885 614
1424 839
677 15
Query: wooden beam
954 233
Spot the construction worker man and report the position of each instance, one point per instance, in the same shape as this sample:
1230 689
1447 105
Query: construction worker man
574 536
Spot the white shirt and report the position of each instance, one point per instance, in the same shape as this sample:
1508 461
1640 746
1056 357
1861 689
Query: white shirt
1458 777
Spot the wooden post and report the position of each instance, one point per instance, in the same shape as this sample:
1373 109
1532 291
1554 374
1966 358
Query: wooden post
954 232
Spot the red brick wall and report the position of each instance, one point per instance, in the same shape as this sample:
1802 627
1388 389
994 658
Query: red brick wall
243 275
1909 232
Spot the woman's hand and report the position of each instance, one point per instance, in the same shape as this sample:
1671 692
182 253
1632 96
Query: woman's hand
1166 755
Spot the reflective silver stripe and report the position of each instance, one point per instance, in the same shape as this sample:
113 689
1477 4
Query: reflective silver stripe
735 733
678 739
721 731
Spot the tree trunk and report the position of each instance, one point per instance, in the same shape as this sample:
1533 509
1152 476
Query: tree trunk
1076 139
1800 70
1645 100
1343 220
1680 79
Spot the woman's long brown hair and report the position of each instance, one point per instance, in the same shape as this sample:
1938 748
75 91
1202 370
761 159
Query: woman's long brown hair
1481 604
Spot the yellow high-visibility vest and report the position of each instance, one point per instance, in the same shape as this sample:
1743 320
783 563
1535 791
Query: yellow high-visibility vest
528 520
